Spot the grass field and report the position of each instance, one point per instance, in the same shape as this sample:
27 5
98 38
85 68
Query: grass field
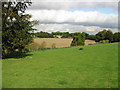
93 67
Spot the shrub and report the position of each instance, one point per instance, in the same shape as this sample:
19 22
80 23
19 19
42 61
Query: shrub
104 41
81 49
33 46
78 39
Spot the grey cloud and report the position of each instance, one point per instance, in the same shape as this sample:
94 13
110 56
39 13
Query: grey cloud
73 5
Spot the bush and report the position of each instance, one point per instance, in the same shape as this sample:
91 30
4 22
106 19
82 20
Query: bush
81 49
104 41
78 39
33 46
36 46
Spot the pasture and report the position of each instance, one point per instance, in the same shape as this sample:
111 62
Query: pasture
93 67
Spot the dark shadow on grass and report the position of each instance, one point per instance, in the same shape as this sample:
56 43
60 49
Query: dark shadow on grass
17 55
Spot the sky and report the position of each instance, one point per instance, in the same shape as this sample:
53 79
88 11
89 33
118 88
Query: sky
89 16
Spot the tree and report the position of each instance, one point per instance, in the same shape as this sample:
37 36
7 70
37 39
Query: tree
104 35
43 35
66 35
78 39
116 37
91 37
100 35
109 36
86 35
57 33
16 26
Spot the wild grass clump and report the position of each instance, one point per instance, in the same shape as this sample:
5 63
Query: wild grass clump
53 45
35 46
42 45
80 48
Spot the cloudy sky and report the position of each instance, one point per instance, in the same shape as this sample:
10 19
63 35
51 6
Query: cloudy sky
75 15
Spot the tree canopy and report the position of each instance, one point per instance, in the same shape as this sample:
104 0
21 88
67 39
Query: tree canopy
16 26
104 35
78 39
116 37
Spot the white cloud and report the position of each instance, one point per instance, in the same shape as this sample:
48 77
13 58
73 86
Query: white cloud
92 18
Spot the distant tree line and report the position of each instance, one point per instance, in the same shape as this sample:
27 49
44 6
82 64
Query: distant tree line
102 36
42 34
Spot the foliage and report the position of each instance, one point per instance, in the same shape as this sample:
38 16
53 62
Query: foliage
32 46
109 36
51 35
66 35
63 34
43 35
100 35
80 48
104 35
116 37
16 26
35 46
104 41
91 37
86 35
57 33
78 39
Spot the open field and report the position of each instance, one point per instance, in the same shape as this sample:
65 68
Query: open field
93 67
58 42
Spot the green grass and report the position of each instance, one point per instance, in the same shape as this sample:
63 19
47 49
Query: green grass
93 67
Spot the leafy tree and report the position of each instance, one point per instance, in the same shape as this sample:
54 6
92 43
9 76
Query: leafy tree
109 36
66 35
57 33
116 37
104 35
91 37
63 34
100 35
16 26
86 35
78 39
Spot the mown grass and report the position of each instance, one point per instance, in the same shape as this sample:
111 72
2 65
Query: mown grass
92 67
